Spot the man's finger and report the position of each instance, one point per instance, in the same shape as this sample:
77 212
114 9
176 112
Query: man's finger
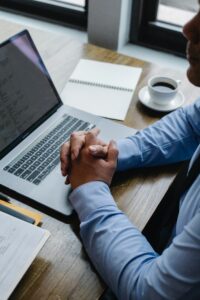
77 141
98 150
67 180
91 137
95 131
64 157
112 152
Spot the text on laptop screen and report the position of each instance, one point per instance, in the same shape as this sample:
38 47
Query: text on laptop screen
26 93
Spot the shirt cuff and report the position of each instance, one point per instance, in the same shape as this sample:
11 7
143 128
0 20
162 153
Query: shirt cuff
129 156
88 197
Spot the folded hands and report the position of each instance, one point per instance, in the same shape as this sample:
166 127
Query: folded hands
85 158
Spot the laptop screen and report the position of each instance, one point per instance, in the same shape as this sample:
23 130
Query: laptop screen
27 94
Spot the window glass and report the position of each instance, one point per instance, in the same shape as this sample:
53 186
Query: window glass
176 12
70 12
64 2
76 2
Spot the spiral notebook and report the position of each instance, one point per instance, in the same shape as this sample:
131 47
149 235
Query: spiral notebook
100 88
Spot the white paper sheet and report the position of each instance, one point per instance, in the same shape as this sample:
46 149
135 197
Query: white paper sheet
20 242
103 89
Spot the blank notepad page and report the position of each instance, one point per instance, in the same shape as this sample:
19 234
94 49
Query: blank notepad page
100 88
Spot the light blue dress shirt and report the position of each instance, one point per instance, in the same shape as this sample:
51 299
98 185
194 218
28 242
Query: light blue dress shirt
120 253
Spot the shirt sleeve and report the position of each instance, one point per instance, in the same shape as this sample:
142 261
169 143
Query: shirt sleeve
166 141
125 259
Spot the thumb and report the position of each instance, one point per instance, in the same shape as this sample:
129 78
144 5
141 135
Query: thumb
98 150
112 152
91 138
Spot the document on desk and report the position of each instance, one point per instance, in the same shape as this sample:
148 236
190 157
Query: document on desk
20 242
100 88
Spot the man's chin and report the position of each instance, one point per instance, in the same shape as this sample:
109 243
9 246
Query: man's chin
193 75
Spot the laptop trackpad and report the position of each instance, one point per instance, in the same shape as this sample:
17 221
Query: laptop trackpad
113 130
53 193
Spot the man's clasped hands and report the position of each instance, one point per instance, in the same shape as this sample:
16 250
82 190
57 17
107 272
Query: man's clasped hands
85 158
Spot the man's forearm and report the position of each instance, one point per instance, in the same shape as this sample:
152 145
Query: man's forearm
125 259
115 246
164 142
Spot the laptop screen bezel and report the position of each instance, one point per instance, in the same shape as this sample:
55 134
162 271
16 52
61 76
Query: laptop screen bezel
29 130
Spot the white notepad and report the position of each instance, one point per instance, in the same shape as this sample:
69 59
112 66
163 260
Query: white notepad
20 242
100 88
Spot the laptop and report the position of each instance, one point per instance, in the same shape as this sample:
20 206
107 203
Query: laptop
34 123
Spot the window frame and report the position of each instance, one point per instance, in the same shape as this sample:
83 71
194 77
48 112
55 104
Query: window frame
68 15
147 31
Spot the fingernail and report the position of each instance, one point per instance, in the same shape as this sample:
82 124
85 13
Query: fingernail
73 156
67 181
93 149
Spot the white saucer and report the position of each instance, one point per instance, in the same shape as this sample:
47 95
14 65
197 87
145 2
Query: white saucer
145 99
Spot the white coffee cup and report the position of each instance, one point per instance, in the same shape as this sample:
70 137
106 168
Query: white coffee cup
162 89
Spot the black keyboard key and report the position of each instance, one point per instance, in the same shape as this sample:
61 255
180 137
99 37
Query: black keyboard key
19 172
17 165
22 160
44 174
38 153
36 181
47 152
49 160
30 161
25 166
45 163
11 170
40 168
41 159
54 147
6 168
45 155
84 126
55 154
32 168
34 157
33 175
56 161
36 163
25 174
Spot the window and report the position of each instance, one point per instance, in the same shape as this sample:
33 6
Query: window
64 3
176 12
158 23
72 12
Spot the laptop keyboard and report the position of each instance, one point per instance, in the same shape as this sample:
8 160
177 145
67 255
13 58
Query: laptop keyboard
41 157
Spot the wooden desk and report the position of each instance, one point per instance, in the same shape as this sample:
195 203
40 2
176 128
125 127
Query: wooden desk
62 270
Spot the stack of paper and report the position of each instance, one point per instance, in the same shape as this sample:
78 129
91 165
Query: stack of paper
103 89
20 242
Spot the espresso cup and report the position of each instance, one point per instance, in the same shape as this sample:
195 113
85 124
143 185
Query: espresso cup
162 89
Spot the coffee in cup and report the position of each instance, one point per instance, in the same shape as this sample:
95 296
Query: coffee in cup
162 89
